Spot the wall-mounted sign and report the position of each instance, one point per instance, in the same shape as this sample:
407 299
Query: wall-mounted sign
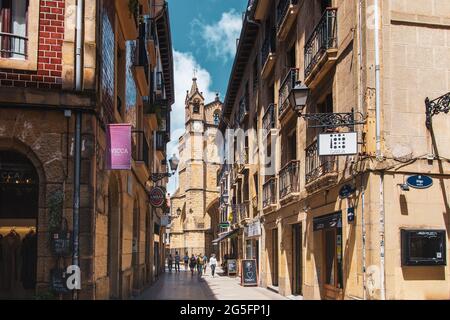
338 144
249 274
350 215
254 229
157 197
419 182
118 147
328 221
346 191
224 224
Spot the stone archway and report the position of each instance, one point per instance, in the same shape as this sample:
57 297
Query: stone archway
114 237
212 211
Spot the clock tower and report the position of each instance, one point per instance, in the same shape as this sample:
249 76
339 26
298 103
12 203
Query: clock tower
197 194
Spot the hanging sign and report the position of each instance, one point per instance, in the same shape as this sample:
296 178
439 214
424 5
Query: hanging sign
350 215
118 147
157 197
346 191
338 144
419 182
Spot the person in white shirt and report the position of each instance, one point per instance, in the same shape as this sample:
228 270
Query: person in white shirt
213 263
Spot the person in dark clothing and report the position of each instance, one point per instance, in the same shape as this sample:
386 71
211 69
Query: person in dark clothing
192 263
29 260
177 262
170 262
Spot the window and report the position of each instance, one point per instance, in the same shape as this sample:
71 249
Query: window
196 106
216 118
290 57
13 29
255 73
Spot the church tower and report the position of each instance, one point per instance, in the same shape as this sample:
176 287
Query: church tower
197 194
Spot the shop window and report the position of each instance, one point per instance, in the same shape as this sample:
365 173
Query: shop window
423 247
19 27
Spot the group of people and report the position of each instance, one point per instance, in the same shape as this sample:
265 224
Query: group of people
194 262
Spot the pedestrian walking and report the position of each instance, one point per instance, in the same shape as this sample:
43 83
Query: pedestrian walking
177 262
213 264
186 261
192 263
205 263
170 262
200 264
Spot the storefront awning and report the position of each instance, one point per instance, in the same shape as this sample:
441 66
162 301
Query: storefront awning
225 236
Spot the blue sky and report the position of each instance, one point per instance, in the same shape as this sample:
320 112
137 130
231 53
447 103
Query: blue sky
204 34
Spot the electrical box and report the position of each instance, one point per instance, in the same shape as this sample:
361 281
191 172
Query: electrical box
338 144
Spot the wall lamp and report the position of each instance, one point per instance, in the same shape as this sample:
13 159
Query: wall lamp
436 106
173 163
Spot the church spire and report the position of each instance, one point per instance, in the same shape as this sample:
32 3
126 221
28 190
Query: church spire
194 87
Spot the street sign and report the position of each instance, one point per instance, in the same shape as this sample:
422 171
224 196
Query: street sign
224 224
338 144
419 182
157 197
350 215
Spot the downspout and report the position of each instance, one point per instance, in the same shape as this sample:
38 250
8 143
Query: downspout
379 154
77 144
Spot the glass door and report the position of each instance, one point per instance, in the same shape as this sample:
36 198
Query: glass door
297 255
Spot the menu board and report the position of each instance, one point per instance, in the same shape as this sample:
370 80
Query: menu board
249 275
231 266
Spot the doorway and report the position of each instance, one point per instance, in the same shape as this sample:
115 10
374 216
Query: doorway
332 261
114 236
275 257
297 254
135 247
19 181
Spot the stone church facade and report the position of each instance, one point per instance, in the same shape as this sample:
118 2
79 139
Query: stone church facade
195 203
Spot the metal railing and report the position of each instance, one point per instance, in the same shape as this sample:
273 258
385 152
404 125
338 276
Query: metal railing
268 121
140 147
283 9
235 213
13 46
317 166
324 37
243 108
269 45
285 89
242 210
151 33
161 140
269 192
289 177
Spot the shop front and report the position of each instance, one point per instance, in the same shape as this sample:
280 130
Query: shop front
19 208
328 234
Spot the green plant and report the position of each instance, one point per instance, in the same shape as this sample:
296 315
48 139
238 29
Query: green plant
55 211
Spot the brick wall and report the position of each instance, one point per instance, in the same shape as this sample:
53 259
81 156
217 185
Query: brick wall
51 35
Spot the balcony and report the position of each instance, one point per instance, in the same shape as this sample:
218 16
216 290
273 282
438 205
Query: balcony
13 46
270 194
234 213
268 53
268 121
128 20
285 89
224 169
151 113
140 148
140 63
152 41
321 171
289 178
286 16
243 108
243 212
160 144
243 159
159 86
321 48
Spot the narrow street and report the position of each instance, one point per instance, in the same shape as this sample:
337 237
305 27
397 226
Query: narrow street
184 286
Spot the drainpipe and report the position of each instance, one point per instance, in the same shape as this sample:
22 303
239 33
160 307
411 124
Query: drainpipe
377 81
77 144
363 231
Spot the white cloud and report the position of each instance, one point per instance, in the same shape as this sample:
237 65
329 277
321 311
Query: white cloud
184 66
220 37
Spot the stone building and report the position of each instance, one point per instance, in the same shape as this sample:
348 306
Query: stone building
194 204
123 74
359 226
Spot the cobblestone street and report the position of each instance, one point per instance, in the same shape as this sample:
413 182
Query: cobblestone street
184 286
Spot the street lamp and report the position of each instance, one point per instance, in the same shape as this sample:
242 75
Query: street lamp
298 97
173 162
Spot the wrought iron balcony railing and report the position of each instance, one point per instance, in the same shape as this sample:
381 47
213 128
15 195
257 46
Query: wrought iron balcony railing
269 192
324 37
243 108
161 140
269 46
243 210
151 33
13 46
318 166
290 178
283 9
234 213
141 58
286 86
268 122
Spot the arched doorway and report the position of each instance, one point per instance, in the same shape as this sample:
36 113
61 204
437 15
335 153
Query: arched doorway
213 214
19 208
114 238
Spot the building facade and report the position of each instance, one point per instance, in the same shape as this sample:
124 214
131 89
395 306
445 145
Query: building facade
353 226
194 205
117 69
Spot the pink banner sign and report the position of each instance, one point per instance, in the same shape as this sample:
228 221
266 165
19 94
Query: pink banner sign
118 147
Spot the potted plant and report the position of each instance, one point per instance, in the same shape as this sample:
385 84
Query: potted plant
59 234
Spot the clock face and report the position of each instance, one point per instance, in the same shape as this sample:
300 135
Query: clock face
197 126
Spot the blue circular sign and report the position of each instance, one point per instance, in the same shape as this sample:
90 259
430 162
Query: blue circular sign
419 182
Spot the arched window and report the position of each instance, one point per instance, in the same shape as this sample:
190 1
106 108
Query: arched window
196 106
216 118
